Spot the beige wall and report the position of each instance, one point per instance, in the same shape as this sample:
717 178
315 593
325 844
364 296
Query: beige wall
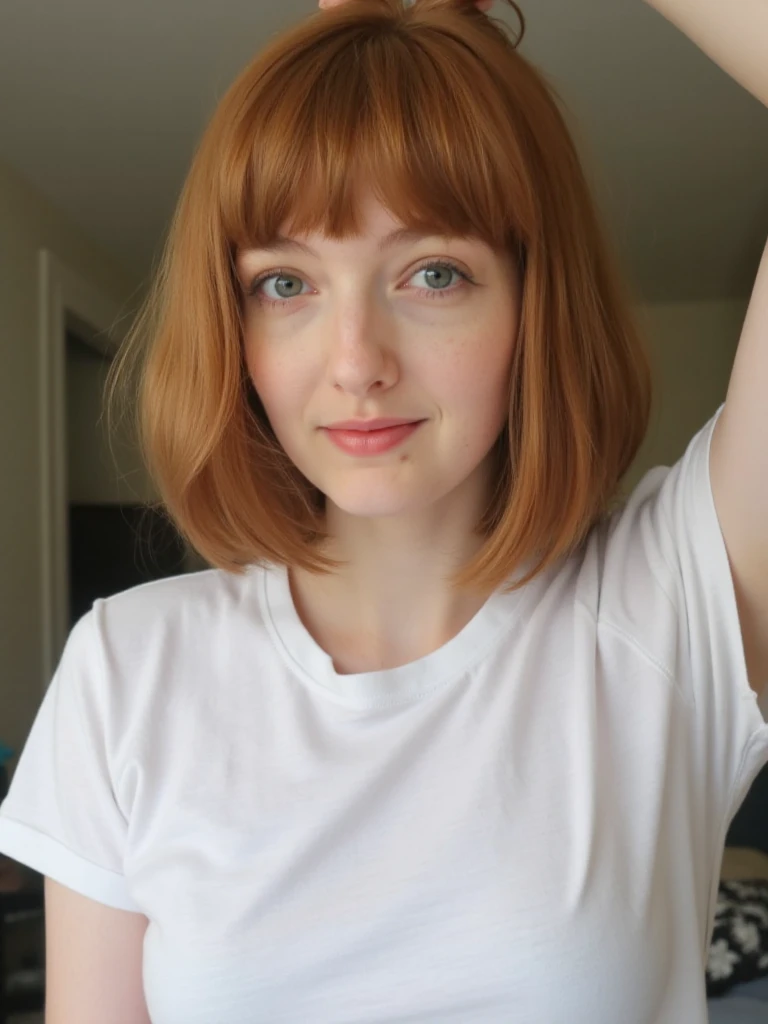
693 347
28 223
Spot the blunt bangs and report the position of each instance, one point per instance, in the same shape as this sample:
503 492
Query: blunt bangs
400 106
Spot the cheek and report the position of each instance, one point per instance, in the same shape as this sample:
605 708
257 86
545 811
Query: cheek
277 383
476 382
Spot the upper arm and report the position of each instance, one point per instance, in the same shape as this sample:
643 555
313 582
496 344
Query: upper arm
93 961
739 471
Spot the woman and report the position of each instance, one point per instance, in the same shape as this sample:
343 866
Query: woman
447 734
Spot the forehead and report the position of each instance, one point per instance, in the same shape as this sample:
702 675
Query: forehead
375 220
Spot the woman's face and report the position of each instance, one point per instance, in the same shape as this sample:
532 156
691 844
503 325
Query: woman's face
387 325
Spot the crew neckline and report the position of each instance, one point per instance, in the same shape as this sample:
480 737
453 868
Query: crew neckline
382 687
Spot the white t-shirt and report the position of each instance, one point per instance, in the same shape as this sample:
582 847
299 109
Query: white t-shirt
525 826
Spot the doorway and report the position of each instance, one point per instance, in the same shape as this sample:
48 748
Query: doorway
99 533
116 539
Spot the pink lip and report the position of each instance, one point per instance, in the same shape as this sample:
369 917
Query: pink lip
371 437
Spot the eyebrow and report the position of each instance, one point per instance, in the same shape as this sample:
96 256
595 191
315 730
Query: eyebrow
400 236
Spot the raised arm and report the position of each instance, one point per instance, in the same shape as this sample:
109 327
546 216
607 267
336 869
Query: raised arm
734 33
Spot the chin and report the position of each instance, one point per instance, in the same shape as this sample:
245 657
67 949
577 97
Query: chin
367 500
385 495
373 506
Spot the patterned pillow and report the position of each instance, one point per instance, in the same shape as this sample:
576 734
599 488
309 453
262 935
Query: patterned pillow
738 952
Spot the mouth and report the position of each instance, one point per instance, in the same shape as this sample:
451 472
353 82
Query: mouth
366 426
372 437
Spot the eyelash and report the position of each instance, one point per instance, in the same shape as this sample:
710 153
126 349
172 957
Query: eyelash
431 293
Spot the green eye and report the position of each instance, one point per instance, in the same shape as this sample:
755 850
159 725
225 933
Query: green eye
438 277
286 285
277 287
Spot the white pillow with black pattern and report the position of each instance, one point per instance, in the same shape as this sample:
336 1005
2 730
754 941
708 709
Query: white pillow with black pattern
738 952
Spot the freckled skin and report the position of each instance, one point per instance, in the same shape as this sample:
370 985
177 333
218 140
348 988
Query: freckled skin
367 338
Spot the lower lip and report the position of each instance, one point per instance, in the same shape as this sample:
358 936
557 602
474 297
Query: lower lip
372 442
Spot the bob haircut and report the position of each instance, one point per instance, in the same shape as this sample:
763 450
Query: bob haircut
431 106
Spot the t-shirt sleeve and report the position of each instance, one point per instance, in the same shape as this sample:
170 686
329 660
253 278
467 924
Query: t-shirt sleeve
668 575
61 816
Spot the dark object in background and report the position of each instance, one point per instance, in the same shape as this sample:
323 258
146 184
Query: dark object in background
114 547
21 904
750 826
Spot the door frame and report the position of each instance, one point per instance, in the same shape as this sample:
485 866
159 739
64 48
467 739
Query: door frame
66 300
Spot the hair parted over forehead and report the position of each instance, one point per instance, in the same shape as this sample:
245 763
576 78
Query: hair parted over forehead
432 107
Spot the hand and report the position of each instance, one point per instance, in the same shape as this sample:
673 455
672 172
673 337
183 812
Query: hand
482 5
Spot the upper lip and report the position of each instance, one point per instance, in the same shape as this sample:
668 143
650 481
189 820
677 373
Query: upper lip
366 425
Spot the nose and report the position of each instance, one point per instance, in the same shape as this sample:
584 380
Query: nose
362 358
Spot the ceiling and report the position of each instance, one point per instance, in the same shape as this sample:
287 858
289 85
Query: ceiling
102 103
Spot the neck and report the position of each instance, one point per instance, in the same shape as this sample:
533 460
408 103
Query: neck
391 601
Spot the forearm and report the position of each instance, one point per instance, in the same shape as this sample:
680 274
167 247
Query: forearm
734 33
